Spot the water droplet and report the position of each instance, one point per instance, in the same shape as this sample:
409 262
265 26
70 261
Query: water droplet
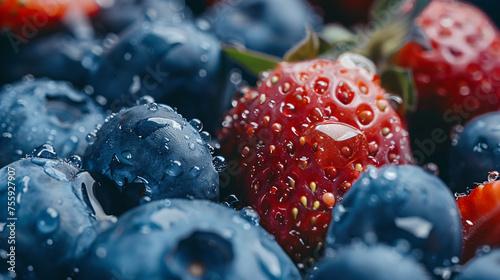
205 136
91 137
344 93
144 128
146 99
321 85
101 252
196 124
337 144
249 214
287 109
45 151
493 176
174 169
75 161
219 163
152 106
47 221
195 171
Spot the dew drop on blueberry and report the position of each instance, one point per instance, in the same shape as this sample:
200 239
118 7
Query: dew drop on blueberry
249 214
45 151
219 163
146 99
47 221
174 169
196 124
75 161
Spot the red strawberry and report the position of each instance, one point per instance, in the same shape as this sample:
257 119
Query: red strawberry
457 78
464 61
480 218
36 14
301 139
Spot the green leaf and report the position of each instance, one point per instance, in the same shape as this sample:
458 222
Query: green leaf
399 81
387 11
309 48
253 61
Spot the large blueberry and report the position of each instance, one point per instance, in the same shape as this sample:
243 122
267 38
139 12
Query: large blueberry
484 267
269 26
45 222
175 63
401 206
360 262
152 151
124 13
475 152
36 112
60 56
185 239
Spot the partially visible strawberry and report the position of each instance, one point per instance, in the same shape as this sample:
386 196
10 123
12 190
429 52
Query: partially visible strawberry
480 218
457 77
36 14
301 138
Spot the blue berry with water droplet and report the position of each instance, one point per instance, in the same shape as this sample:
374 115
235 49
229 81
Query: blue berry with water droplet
361 262
55 222
475 152
269 26
175 63
482 267
185 239
125 13
400 205
38 112
151 151
59 56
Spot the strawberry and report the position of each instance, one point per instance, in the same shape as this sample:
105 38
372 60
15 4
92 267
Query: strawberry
480 218
457 77
18 15
301 138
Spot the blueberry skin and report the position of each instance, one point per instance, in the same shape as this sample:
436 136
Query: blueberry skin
153 148
54 224
175 63
185 239
59 56
360 262
269 26
475 152
401 205
126 13
484 267
35 112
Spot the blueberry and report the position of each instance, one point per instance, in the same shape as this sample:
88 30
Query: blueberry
54 225
35 112
175 63
402 206
125 13
360 262
475 152
185 239
269 26
151 151
484 267
59 56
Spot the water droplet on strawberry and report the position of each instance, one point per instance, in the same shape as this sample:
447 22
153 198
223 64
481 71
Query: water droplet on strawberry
338 144
344 93
321 85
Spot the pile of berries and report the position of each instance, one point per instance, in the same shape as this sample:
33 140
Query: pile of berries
259 139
